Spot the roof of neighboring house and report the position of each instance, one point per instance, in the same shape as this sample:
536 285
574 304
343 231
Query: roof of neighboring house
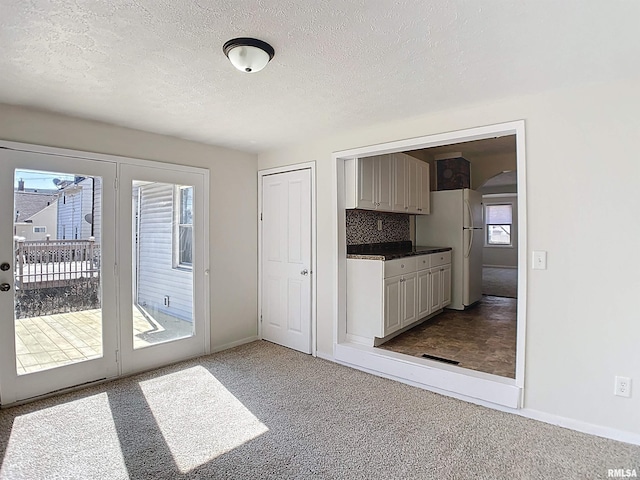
27 204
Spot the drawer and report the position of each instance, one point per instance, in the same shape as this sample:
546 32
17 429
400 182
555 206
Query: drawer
399 266
423 261
441 258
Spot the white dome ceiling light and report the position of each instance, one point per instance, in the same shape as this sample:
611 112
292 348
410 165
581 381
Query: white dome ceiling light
248 54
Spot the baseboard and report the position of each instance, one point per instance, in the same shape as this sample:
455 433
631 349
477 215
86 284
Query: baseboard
326 356
564 422
237 343
580 426
500 266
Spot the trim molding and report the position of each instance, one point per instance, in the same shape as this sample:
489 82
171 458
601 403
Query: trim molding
580 426
564 422
237 343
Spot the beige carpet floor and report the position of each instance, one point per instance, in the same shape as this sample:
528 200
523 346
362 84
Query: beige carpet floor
265 412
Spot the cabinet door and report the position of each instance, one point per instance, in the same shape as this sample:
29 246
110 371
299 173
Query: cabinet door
413 185
384 172
409 299
399 162
424 288
367 183
424 188
392 304
435 298
446 285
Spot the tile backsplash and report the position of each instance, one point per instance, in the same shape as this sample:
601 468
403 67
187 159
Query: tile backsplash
362 227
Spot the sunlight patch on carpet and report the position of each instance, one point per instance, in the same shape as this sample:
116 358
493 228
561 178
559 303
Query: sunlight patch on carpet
65 441
198 417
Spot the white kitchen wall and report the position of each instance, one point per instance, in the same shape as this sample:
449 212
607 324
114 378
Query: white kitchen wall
582 178
233 202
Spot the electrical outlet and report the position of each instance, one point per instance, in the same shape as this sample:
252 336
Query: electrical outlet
623 387
380 225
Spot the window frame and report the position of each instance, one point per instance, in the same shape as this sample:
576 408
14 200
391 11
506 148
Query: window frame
487 243
177 226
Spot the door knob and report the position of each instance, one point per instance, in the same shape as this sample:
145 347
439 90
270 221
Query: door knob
304 272
5 266
5 287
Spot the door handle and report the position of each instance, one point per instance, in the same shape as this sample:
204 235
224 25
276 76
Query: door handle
304 272
5 287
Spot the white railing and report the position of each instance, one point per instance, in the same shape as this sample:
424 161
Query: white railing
55 263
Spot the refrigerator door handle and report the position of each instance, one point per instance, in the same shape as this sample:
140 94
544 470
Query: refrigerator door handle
468 252
468 205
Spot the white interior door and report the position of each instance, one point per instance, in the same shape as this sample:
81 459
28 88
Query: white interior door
286 259
58 326
163 265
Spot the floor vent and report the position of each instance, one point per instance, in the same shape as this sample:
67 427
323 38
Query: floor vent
440 359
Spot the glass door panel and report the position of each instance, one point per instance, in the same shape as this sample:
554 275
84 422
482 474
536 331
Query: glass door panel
162 237
53 290
163 251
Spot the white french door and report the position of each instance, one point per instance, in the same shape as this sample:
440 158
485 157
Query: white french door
163 265
57 286
103 268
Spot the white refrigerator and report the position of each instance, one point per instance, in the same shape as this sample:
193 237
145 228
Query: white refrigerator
456 221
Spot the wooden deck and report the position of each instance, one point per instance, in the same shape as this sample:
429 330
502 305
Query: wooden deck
55 340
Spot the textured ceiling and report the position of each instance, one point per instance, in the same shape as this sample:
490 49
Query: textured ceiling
157 65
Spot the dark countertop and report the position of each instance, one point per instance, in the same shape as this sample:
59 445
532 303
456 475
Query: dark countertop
390 251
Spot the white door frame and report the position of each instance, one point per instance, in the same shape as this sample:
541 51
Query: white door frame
449 380
119 160
271 171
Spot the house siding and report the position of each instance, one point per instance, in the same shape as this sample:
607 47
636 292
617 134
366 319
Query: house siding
74 204
156 273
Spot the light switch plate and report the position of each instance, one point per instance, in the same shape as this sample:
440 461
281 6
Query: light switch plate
539 260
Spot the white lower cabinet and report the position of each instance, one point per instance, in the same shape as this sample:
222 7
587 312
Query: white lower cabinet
392 304
400 307
409 289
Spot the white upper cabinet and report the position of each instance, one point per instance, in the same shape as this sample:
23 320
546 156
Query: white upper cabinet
424 189
368 183
411 183
390 183
400 187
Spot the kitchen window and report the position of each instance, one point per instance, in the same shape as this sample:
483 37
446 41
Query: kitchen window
498 220
183 244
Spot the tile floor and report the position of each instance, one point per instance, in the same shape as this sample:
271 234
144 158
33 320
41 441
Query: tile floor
55 340
482 338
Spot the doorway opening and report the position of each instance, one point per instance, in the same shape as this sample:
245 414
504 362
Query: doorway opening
503 387
481 333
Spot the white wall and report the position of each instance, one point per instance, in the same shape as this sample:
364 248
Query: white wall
485 167
233 201
582 172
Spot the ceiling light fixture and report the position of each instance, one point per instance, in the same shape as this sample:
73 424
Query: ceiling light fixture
248 54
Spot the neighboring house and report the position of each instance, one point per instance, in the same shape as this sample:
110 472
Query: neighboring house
163 254
35 215
79 209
